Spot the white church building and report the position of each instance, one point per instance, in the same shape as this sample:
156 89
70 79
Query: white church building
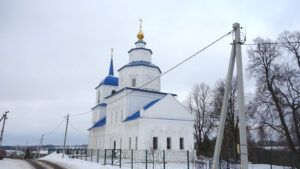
131 112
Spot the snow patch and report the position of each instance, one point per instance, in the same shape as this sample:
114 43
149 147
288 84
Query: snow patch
71 163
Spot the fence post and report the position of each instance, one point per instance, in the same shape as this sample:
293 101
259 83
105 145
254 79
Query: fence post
112 156
291 157
131 159
98 156
146 159
86 153
270 159
188 159
104 156
227 161
91 155
164 159
120 158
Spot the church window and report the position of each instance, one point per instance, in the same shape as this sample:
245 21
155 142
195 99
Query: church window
111 118
98 97
136 143
181 143
133 82
168 143
155 143
116 119
129 143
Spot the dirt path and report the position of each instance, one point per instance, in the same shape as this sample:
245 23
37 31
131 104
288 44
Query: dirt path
43 164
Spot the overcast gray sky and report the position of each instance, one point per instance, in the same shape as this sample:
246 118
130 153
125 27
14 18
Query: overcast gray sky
53 53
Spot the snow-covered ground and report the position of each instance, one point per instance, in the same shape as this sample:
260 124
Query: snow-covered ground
14 164
71 163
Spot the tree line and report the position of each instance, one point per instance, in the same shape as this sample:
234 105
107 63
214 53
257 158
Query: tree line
272 110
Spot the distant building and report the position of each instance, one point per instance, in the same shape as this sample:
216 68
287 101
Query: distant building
131 113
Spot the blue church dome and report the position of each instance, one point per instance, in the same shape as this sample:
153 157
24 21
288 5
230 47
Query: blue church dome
109 80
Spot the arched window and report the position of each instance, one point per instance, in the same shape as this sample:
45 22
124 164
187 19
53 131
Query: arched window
133 82
98 97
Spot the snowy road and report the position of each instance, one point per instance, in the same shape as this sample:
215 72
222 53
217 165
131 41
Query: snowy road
42 164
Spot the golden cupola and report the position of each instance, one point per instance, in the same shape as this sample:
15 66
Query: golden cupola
140 34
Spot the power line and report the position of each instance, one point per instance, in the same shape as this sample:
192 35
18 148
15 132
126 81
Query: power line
271 43
77 129
172 68
80 114
52 131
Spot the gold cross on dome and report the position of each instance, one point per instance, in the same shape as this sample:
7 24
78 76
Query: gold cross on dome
140 23
112 52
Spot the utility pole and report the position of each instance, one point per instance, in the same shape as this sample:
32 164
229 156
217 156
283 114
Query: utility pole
25 150
41 143
65 136
4 117
236 54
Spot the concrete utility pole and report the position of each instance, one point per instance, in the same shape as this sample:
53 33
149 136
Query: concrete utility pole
4 117
25 150
65 136
235 54
41 143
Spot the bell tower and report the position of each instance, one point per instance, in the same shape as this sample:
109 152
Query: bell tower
140 69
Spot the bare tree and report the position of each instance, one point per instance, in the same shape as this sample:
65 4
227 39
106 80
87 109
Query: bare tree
231 135
199 103
152 153
277 91
291 42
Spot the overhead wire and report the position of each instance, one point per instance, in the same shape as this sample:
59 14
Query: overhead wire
270 43
172 68
77 129
52 131
80 114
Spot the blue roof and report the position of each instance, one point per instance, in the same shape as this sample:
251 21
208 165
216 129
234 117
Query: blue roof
101 104
100 123
138 114
140 41
109 80
140 48
140 63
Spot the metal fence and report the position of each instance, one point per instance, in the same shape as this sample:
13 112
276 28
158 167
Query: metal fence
168 159
135 159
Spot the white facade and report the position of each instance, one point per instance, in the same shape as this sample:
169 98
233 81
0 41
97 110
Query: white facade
131 115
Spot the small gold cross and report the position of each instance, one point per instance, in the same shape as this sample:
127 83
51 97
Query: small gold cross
112 52
140 23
